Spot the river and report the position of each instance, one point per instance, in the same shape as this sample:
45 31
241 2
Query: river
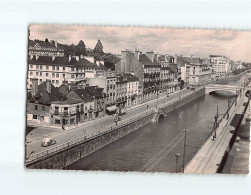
152 148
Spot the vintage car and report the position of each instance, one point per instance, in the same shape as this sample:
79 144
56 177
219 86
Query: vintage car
48 142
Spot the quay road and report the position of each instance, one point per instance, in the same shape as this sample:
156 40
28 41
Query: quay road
87 129
35 137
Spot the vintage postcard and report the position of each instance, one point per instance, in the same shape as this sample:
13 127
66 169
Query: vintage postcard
138 99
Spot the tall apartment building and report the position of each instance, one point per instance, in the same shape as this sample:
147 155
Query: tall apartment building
60 69
220 64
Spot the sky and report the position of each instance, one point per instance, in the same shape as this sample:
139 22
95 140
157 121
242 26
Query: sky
196 42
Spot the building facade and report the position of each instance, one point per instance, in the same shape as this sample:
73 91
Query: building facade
41 48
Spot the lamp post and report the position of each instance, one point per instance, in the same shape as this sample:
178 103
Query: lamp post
184 152
177 155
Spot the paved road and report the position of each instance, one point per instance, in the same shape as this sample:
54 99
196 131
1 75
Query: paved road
35 137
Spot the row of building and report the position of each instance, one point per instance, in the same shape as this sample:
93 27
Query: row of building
68 90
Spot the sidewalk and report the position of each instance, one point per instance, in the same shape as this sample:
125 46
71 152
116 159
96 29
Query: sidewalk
208 158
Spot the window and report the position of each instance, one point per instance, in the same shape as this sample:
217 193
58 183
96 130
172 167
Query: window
35 107
72 69
37 67
31 66
53 74
64 75
34 116
30 79
53 68
72 76
41 67
63 68
40 80
41 74
57 121
47 67
56 81
53 81
36 73
47 74
43 108
31 73
30 85
57 75
57 68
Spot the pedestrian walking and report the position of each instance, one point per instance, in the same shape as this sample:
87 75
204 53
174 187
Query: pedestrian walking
147 106
63 127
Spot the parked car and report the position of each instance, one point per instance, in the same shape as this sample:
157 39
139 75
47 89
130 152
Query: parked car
122 111
48 142
192 88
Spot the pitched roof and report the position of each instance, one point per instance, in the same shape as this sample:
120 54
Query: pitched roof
94 91
130 77
61 61
84 95
45 97
64 89
147 62
192 60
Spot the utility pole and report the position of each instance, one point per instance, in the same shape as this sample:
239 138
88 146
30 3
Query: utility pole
177 155
184 152
228 105
215 123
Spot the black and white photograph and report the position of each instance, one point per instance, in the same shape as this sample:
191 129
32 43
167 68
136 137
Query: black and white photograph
138 99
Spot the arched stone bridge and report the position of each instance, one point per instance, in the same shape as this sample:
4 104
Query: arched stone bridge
230 88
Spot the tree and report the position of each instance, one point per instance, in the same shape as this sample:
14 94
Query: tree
80 48
46 40
98 48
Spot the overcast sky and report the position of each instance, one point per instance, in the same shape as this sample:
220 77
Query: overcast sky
202 43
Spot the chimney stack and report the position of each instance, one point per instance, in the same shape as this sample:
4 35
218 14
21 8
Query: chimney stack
53 58
137 52
77 58
34 87
48 85
69 58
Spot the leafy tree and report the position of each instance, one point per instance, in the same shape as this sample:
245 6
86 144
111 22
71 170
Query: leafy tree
80 48
98 48
46 40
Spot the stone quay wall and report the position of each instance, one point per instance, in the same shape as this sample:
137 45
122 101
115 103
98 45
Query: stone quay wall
74 152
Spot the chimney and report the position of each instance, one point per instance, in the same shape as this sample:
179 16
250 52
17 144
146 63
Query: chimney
56 43
69 58
34 86
48 85
53 58
150 55
37 57
77 58
136 53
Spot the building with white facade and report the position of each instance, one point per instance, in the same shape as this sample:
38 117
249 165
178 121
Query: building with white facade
220 64
60 69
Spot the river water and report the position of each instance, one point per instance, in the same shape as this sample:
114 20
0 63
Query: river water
152 148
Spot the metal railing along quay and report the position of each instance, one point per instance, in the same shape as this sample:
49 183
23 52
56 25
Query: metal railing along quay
76 141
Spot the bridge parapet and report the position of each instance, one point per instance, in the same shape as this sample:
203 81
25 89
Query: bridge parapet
229 88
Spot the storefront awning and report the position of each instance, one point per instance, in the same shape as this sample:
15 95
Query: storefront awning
111 108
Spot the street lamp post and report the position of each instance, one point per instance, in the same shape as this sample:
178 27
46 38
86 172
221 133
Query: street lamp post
177 155
184 152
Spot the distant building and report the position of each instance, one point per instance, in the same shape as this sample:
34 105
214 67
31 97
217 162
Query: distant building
41 48
220 64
